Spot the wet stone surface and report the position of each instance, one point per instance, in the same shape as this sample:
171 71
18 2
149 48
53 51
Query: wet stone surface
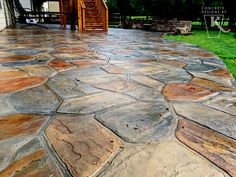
209 144
108 104
173 76
28 159
93 103
187 92
138 122
164 159
81 143
38 100
224 102
214 119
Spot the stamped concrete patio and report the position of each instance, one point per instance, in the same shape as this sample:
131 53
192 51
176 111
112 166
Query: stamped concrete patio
125 104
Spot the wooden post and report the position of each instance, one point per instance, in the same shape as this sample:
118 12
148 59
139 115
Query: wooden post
107 19
62 15
80 20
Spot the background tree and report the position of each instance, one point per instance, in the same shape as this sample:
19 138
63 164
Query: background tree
169 9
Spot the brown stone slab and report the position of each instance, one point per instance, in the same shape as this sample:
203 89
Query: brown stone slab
221 73
88 63
201 53
60 65
143 60
82 143
211 85
12 74
71 50
20 125
188 91
38 70
15 58
11 85
219 149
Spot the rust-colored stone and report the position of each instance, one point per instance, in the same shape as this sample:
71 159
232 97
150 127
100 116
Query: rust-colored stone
15 58
188 91
219 149
201 53
172 52
88 63
71 50
12 74
143 60
22 163
211 85
60 65
221 73
19 125
11 85
81 143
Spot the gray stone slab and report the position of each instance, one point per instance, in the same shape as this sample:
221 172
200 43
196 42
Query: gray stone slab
94 102
200 67
35 100
173 76
67 87
6 106
169 159
138 122
225 102
145 94
83 72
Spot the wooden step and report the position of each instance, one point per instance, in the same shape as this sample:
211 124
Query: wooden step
94 23
92 18
89 1
91 15
90 4
91 10
94 30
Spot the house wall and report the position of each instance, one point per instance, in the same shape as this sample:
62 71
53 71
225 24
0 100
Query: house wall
26 3
2 16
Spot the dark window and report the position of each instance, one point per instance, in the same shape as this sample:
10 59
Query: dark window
0 4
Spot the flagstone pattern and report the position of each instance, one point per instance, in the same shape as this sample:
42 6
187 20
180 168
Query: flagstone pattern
122 103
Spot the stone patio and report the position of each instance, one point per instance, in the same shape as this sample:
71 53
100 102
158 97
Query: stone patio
123 104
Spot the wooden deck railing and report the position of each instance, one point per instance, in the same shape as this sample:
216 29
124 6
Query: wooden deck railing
103 12
81 8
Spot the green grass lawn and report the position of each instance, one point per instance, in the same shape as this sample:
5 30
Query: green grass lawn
224 47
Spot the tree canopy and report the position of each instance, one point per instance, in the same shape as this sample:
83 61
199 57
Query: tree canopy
180 9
